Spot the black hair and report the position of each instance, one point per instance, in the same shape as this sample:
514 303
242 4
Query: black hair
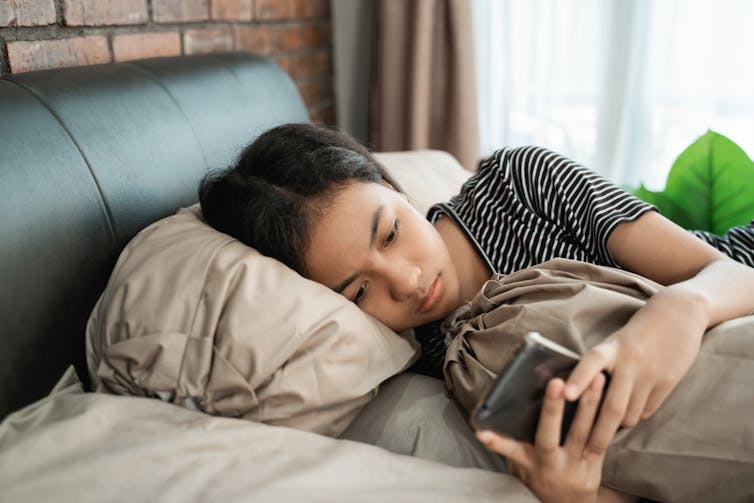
270 197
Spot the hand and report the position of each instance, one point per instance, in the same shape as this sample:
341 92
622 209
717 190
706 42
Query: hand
646 359
556 473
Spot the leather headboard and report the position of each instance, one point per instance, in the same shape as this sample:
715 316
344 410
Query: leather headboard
88 157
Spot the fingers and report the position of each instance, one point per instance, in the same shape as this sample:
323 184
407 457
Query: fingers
514 469
656 398
612 413
637 404
585 414
597 359
508 447
551 416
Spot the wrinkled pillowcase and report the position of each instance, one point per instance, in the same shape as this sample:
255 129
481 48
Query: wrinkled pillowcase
194 317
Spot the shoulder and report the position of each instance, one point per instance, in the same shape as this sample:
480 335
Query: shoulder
529 178
492 179
530 165
519 173
530 173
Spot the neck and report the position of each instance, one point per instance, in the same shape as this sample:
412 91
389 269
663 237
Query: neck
470 268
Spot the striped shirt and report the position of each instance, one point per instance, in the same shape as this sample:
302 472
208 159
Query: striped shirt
737 243
527 205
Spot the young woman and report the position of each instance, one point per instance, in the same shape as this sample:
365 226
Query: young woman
315 199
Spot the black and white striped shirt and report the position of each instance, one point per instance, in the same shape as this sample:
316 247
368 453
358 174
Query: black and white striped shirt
527 205
737 243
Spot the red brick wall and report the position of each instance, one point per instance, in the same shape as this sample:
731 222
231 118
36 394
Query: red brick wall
39 34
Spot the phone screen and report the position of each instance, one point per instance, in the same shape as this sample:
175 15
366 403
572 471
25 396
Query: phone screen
513 405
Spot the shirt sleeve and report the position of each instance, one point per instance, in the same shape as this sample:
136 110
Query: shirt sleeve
585 204
737 243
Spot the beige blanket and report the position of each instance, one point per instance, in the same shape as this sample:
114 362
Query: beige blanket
699 446
79 447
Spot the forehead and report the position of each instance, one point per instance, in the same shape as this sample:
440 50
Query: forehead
340 235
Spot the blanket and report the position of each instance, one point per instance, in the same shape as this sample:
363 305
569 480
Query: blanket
699 446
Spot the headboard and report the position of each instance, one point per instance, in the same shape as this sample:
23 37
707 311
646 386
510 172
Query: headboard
88 157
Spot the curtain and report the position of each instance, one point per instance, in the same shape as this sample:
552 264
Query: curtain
423 91
621 86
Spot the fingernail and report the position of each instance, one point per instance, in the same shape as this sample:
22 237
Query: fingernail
570 391
484 436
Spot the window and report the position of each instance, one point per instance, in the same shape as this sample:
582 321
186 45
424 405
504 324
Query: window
621 86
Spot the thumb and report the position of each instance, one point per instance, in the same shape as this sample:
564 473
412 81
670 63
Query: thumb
506 446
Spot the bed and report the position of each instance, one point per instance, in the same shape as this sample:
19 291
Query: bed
210 384
90 157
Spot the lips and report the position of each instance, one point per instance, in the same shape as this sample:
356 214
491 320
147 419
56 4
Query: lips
433 295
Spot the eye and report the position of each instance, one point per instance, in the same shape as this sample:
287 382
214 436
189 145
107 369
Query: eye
360 293
393 234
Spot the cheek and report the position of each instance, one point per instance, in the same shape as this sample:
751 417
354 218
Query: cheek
428 242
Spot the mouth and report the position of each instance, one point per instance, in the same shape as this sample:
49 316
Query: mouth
433 295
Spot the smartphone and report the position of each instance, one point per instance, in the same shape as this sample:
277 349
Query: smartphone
514 402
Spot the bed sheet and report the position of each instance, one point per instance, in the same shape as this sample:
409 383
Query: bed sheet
76 446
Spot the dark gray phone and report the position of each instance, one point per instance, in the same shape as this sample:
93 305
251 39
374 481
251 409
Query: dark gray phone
514 402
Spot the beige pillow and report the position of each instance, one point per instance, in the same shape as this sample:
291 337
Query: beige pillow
194 317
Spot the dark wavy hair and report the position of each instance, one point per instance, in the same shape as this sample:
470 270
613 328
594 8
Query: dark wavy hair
273 193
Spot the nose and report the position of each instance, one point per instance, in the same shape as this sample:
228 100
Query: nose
403 280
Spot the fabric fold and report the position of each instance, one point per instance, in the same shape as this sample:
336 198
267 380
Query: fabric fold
699 445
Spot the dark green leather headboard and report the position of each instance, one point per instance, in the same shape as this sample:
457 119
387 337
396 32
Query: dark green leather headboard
88 157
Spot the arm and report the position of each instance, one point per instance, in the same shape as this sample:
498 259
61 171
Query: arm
722 287
654 350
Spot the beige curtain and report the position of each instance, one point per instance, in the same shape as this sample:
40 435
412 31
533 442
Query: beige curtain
424 91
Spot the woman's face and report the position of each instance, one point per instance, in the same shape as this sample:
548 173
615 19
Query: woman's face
372 246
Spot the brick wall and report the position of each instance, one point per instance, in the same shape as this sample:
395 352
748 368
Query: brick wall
40 34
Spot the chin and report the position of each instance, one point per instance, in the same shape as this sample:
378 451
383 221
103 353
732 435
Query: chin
450 302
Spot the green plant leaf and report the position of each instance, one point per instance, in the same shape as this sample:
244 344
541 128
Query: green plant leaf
710 186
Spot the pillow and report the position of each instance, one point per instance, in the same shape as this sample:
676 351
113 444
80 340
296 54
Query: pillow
194 317
413 415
